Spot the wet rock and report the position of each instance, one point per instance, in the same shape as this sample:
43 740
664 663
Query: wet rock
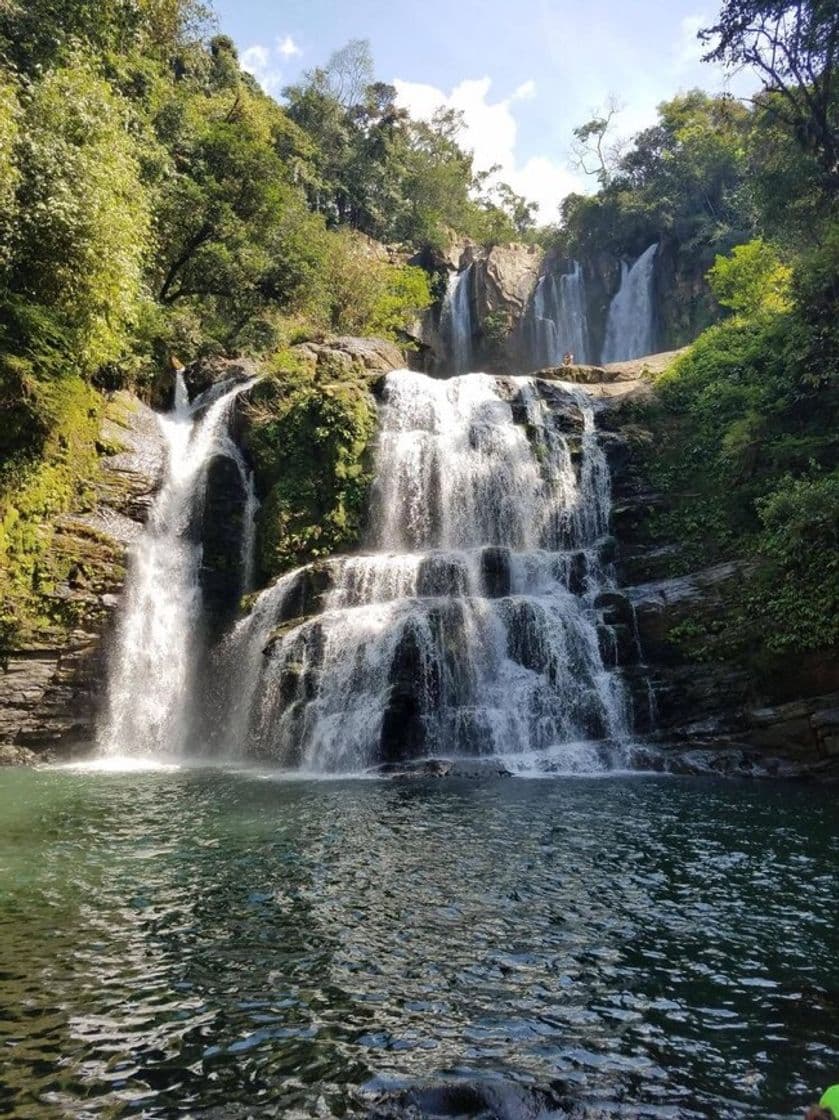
630 517
615 609
51 686
12 755
221 533
201 375
419 768
825 723
479 768
608 550
306 596
617 645
495 572
664 604
441 575
616 450
491 1099
415 688
576 573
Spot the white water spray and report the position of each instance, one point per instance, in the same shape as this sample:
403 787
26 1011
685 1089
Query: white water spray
471 628
456 321
630 328
557 323
151 673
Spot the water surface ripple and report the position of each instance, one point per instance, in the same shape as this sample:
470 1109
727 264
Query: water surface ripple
214 944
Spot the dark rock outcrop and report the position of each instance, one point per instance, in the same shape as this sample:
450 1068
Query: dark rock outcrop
483 1099
221 533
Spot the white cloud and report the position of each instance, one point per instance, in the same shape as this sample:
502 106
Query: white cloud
490 131
265 62
688 50
287 47
258 60
525 92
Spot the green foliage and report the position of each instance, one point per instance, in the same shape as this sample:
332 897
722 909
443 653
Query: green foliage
746 456
679 178
82 212
310 447
362 294
374 169
33 492
10 114
752 280
794 50
800 541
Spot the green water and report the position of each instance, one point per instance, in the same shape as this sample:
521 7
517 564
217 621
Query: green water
208 943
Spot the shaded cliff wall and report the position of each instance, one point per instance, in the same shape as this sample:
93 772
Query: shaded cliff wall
503 282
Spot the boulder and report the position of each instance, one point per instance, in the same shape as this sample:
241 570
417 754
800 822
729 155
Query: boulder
199 376
615 609
11 755
489 1098
344 357
505 279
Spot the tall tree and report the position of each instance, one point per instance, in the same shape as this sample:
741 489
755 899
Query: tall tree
795 50
592 150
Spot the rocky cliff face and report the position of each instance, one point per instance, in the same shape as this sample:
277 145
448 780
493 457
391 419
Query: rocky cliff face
503 282
49 689
710 709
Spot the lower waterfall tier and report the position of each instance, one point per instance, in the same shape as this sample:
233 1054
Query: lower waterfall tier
485 652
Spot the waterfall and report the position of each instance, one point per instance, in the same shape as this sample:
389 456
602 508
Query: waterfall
557 323
248 557
469 627
152 668
456 321
630 329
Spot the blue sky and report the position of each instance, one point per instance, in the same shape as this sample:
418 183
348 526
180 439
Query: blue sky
524 73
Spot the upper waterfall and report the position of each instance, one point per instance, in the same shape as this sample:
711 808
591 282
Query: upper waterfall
630 326
556 322
456 321
153 663
470 625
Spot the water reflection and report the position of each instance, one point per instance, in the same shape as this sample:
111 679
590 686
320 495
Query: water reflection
191 941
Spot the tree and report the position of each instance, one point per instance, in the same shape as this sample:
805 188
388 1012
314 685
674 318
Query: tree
795 50
591 152
10 114
349 72
752 280
82 232
35 33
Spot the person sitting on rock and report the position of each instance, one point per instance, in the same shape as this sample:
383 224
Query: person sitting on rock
568 359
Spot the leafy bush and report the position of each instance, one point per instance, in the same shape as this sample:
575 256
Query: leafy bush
310 445
800 591
751 280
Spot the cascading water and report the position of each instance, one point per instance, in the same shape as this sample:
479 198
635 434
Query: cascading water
456 321
158 637
471 627
557 323
630 326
